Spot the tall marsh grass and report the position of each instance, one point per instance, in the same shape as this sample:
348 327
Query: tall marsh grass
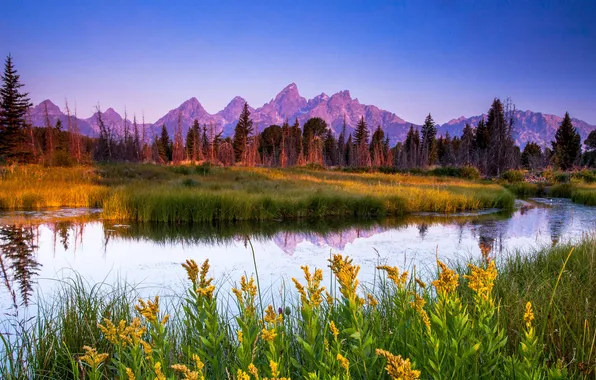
531 317
232 194
35 187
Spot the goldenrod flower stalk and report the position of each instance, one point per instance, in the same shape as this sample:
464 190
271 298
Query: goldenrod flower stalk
149 309
447 281
334 329
268 335
197 374
246 295
481 280
372 302
274 368
418 305
272 318
123 334
529 315
192 270
92 358
158 373
393 274
347 276
129 374
310 295
397 367
241 375
344 363
253 371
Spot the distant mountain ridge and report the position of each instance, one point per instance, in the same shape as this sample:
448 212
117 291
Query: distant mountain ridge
290 105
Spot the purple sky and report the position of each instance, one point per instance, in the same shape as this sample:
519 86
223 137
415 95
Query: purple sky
449 58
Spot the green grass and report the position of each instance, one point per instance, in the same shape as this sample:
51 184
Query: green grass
566 307
200 194
466 331
33 187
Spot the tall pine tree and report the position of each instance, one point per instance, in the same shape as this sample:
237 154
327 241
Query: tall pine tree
13 108
567 144
428 141
241 134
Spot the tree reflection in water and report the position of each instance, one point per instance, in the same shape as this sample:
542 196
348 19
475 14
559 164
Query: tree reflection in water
18 265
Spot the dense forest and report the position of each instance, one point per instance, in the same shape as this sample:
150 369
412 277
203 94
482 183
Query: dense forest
488 146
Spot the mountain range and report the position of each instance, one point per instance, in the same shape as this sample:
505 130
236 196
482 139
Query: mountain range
290 105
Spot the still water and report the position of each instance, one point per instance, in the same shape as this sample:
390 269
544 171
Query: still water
39 249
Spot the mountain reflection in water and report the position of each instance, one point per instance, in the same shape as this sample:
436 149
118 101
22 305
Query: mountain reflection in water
151 253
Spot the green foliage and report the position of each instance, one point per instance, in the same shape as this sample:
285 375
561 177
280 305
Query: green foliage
242 132
513 176
13 109
567 144
520 320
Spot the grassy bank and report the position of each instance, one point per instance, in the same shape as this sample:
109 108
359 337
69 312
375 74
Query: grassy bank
578 192
199 194
35 187
533 318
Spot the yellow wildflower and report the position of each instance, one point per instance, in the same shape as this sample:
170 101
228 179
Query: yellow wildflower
393 274
310 295
192 270
418 305
149 309
206 292
130 374
529 315
398 368
371 300
158 373
241 375
268 335
274 368
421 283
253 370
204 281
343 362
481 280
199 365
447 281
347 276
147 348
240 336
329 298
272 317
333 329
246 295
93 358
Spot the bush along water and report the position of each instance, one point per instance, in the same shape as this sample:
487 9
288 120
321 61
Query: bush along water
401 328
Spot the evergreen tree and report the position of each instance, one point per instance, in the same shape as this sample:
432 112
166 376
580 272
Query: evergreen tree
500 126
590 142
362 133
204 152
330 149
467 146
411 148
241 134
341 145
13 108
350 147
567 144
428 141
164 146
531 158
361 136
377 147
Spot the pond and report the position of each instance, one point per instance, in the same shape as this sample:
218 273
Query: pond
41 248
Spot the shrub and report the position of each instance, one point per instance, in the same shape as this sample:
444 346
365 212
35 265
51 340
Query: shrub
513 176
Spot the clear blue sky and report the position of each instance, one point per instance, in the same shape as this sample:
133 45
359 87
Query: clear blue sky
449 58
